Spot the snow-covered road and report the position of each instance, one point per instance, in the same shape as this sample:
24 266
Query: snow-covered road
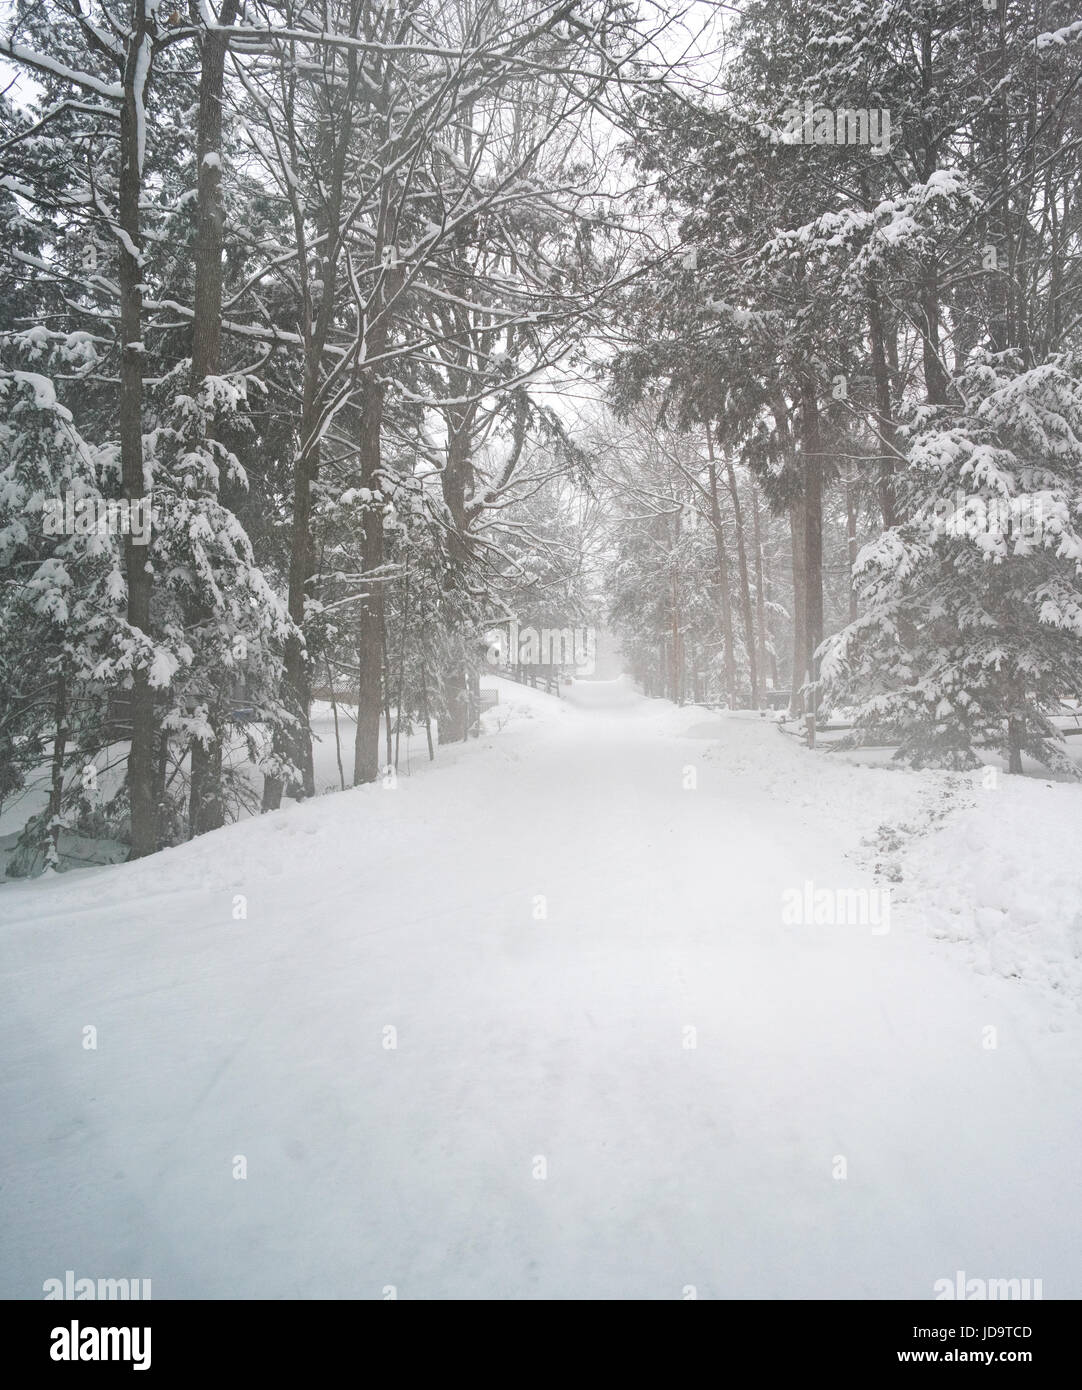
532 1025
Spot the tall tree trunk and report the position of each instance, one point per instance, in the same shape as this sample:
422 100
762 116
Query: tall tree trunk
317 318
760 589
936 381
206 810
473 695
56 785
370 626
745 587
1016 723
800 611
884 408
676 652
722 560
298 742
851 539
798 544
402 662
454 713
813 539
144 810
370 614
388 765
425 714
765 578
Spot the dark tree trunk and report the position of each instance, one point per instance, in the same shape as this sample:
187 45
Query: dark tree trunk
425 713
884 408
936 381
813 540
317 316
298 742
745 587
798 540
1016 724
851 541
206 810
760 587
1015 733
676 645
454 715
451 726
370 614
144 817
722 560
60 743
798 543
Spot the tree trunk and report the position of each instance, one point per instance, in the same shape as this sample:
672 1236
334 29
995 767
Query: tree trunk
936 382
760 588
317 316
851 540
143 804
297 743
676 653
798 540
402 662
425 715
1016 724
884 408
56 787
370 615
723 575
798 544
1015 731
813 540
745 587
206 809
454 715
386 668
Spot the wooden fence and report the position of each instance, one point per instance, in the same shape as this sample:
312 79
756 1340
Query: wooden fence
544 678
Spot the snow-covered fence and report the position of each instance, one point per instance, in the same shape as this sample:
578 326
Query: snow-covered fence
537 678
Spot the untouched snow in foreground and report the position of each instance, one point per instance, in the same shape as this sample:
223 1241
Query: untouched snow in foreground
543 1127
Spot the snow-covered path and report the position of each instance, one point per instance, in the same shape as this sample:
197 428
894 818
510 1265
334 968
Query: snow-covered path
543 1126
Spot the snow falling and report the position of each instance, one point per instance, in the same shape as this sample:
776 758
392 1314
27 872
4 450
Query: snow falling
540 652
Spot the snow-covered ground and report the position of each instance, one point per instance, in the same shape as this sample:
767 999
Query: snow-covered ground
534 1023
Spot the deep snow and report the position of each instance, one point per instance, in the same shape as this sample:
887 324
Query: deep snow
561 1037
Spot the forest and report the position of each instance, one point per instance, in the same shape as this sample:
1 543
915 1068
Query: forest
334 335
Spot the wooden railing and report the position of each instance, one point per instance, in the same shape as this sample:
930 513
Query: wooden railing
534 677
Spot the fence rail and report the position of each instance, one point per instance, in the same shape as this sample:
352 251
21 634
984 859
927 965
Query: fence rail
531 676
1063 730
